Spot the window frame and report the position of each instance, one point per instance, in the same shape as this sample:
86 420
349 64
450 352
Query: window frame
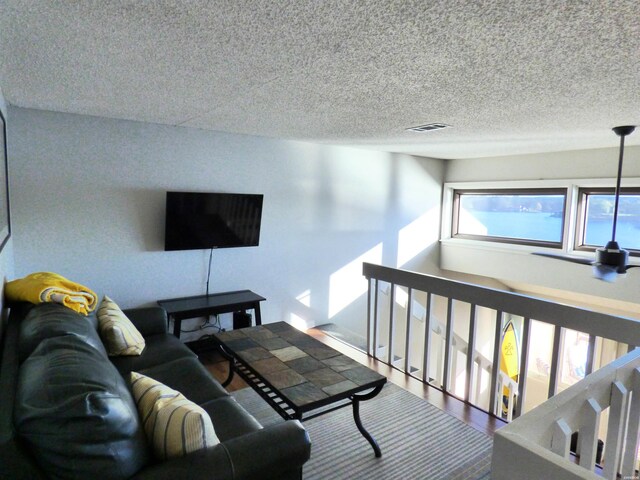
455 214
581 212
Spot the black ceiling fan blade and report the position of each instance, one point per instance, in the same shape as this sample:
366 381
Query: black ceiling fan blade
605 273
566 258
627 267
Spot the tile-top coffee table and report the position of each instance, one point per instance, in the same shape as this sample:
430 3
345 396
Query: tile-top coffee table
295 373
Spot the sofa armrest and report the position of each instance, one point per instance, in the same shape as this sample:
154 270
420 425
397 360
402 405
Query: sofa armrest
148 320
212 463
273 453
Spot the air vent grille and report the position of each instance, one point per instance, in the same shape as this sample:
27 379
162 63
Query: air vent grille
429 127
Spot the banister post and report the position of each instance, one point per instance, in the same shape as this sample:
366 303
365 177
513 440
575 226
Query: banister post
494 394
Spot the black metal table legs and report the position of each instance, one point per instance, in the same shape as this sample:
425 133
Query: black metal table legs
232 364
289 409
355 400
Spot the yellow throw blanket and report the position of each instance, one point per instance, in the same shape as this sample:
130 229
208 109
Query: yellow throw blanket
51 287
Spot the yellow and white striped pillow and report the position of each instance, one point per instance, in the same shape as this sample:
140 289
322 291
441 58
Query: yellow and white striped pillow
119 335
174 425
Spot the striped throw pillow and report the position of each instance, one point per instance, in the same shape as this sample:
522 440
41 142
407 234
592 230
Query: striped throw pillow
174 425
119 335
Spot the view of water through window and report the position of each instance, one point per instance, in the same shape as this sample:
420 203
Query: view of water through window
539 217
600 220
526 217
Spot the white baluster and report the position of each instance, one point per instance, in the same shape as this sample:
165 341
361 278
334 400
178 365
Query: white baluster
427 341
497 404
392 308
631 443
446 373
561 438
470 353
617 421
588 437
407 338
495 392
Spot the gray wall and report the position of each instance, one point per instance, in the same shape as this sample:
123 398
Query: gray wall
6 256
88 202
576 164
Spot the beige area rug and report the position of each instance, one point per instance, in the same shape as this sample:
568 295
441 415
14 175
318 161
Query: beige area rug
418 441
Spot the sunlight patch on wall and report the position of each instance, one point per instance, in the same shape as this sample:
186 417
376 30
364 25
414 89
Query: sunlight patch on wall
418 310
402 297
348 283
418 235
305 298
298 322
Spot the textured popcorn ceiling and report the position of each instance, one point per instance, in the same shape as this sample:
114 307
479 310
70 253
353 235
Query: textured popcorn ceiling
510 76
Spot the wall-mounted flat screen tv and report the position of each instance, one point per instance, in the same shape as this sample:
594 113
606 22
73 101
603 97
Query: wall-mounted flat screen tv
198 220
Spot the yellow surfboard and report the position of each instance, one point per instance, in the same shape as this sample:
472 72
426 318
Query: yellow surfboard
509 358
509 361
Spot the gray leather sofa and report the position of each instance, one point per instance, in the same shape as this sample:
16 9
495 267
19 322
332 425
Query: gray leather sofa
66 409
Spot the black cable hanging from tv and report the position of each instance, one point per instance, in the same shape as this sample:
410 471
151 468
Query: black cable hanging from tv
209 271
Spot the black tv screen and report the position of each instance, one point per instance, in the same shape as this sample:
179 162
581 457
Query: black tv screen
212 220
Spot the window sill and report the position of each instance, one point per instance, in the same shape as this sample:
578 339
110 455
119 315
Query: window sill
512 248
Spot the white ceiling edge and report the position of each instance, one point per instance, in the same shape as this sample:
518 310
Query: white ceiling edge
501 148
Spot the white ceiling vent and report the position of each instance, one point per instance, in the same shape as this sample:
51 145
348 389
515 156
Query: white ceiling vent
429 127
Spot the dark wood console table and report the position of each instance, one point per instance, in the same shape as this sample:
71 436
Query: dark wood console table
180 309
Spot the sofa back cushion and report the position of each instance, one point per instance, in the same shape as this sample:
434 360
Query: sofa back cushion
48 320
76 413
120 335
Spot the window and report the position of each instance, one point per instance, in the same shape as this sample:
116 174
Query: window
523 216
595 219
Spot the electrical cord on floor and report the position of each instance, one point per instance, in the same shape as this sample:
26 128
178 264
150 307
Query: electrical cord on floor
206 323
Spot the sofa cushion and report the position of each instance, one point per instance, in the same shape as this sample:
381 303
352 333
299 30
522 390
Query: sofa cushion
148 320
76 413
159 350
189 377
229 419
174 425
120 336
47 320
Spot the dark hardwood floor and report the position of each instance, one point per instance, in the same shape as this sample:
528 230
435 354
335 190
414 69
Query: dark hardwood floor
219 368
476 418
470 415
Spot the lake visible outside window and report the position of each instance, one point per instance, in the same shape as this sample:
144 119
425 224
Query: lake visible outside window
597 219
534 217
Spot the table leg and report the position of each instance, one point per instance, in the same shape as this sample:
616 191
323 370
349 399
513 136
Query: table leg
177 323
256 309
356 399
232 364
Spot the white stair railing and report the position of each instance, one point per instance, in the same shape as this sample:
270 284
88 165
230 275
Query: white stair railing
538 442
382 331
458 345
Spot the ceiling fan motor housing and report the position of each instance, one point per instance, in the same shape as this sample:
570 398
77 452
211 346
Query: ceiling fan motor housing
612 255
624 130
